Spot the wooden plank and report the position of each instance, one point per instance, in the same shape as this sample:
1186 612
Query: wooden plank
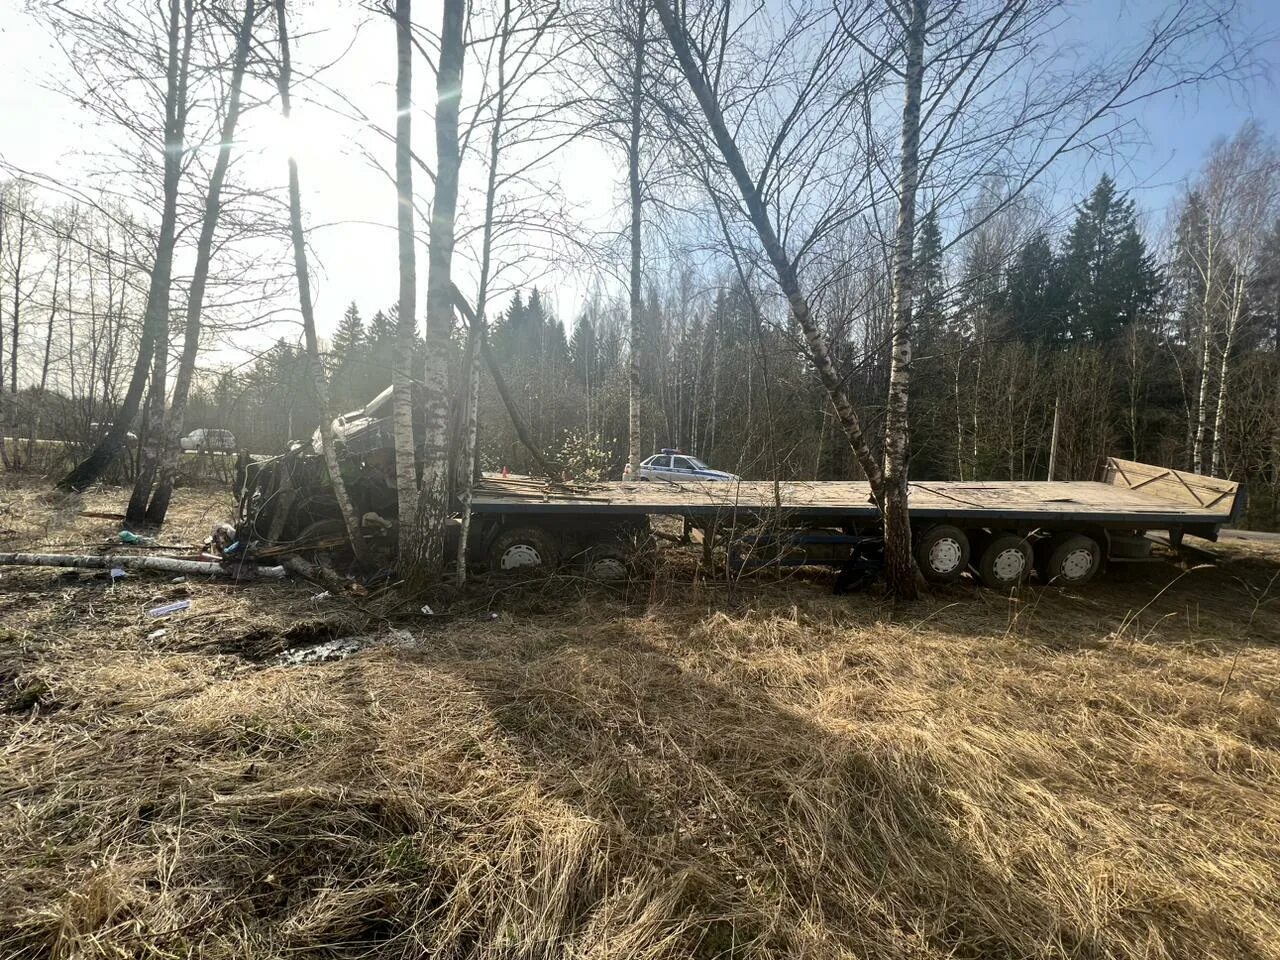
1173 486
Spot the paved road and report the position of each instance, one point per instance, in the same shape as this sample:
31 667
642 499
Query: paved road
1249 535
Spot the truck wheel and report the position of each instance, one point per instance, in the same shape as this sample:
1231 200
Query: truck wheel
608 562
523 548
942 553
1071 560
1005 562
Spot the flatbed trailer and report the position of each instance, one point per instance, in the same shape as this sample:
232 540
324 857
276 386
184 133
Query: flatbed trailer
1064 531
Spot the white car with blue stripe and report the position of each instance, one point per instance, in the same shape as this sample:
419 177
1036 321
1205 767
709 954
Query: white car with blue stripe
673 465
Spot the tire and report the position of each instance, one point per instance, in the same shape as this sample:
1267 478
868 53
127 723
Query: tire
1006 561
1071 560
523 548
942 553
607 562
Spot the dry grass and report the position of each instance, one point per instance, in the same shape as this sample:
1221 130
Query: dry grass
767 772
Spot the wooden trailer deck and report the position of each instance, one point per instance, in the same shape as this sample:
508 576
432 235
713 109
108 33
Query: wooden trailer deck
1132 494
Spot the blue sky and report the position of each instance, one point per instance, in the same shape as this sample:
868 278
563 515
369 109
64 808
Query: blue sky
40 130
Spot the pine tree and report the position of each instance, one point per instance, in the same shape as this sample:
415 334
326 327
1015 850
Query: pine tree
582 351
1034 299
350 333
1111 279
348 361
930 284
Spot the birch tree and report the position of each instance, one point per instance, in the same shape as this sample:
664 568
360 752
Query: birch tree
422 540
635 195
407 319
180 32
899 567
170 430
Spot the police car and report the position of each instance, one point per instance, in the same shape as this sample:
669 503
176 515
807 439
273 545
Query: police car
674 465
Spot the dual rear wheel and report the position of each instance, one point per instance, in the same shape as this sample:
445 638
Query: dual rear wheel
1005 560
530 549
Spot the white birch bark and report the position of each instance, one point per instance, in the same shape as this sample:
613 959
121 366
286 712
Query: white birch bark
406 333
900 568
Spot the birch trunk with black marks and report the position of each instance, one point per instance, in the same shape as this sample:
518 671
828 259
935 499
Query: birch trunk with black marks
1206 350
784 268
171 431
423 544
1239 289
156 316
407 330
478 327
900 568
349 516
634 382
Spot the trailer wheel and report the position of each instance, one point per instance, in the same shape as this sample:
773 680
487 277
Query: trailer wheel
1005 562
523 548
942 553
1071 560
608 562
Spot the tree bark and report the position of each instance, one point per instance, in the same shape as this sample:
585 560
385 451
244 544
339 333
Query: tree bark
1219 415
784 268
425 546
349 516
4 452
477 327
633 178
151 435
171 431
1206 348
407 329
900 567
17 301
156 317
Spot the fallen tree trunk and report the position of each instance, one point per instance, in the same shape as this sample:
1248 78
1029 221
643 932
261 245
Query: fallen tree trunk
133 562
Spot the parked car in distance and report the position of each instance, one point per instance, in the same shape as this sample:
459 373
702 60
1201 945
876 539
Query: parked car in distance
674 465
220 441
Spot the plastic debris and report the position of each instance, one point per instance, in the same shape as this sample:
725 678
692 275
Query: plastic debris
128 536
117 573
426 608
178 580
164 610
156 634
322 595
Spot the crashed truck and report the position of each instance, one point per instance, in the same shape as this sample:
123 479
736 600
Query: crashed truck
1003 532
285 504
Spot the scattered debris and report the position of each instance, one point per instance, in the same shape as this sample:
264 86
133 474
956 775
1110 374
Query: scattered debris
131 538
338 648
156 634
238 571
166 609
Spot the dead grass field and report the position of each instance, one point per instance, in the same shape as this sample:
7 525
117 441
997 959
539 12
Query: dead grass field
678 770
